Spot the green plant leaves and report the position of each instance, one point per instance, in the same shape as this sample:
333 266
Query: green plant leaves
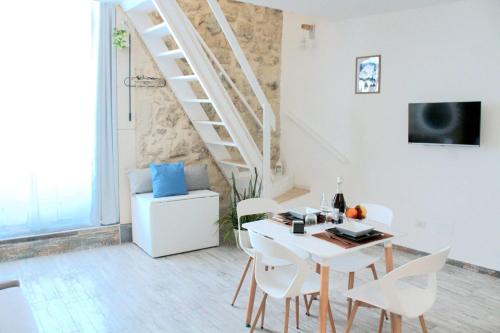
253 190
120 38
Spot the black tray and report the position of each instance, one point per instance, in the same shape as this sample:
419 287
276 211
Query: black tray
371 234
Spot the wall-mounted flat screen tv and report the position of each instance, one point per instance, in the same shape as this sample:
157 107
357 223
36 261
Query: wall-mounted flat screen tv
456 123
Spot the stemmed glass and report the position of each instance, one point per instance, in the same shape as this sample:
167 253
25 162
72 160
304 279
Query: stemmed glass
325 206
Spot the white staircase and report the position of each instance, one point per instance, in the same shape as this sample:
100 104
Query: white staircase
237 154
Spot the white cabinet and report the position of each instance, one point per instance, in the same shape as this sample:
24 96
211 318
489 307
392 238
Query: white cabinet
176 224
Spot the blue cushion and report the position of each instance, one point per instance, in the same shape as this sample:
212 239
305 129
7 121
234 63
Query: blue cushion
168 179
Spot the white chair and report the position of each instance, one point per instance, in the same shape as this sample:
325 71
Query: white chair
401 298
253 207
355 261
286 282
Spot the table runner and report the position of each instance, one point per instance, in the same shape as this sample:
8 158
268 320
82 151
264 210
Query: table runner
347 243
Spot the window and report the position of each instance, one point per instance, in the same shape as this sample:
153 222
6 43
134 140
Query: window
47 116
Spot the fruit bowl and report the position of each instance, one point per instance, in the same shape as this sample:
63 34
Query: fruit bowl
357 212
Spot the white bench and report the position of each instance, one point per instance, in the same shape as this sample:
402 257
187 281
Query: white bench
176 224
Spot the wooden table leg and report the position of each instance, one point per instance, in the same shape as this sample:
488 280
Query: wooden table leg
251 299
389 263
389 266
323 298
396 322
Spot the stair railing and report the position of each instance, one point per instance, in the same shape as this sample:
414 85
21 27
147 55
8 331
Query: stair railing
269 119
314 134
227 78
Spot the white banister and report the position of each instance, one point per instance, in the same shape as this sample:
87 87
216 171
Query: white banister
223 72
317 137
266 154
242 60
269 119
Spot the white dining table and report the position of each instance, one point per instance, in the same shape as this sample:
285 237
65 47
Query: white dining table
323 251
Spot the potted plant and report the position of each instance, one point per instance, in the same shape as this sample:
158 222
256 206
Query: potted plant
120 38
229 222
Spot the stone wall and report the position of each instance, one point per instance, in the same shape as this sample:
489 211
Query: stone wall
163 131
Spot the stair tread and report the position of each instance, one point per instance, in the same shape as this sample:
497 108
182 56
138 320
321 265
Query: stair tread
159 29
236 162
138 5
292 193
197 100
192 77
209 122
176 54
223 143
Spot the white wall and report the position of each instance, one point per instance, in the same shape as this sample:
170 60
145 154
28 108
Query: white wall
442 53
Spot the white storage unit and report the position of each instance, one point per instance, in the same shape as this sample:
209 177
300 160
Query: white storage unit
176 224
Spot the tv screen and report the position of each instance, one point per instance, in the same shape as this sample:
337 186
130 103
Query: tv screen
445 123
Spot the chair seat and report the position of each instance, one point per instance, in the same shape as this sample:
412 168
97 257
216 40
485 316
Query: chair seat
352 262
278 280
275 262
414 301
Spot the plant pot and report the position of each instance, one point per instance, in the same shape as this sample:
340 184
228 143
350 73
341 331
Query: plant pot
236 237
245 239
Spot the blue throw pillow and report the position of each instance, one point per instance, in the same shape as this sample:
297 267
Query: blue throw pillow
168 179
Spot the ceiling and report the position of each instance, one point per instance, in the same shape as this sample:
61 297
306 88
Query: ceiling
344 9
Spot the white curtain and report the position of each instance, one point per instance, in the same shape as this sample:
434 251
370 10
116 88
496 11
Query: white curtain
57 131
47 116
105 186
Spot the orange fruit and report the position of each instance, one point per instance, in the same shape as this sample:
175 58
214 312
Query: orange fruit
351 213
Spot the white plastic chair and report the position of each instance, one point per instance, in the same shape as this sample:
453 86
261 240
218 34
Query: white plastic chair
287 282
401 298
252 207
355 261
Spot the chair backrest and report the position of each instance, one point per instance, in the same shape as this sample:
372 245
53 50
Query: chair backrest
428 265
378 213
278 288
251 207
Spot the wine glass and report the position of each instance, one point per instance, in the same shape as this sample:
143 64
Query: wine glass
324 206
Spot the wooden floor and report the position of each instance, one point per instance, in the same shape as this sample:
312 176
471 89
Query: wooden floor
121 289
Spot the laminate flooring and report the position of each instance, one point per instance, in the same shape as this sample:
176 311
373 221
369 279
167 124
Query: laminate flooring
121 289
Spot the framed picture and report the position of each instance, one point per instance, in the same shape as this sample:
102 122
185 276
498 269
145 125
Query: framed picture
368 74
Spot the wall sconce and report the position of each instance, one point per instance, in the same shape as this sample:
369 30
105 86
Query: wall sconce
307 33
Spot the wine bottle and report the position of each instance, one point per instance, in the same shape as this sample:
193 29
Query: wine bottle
338 201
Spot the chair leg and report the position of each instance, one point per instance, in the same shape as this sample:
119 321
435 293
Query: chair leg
297 311
330 316
381 321
306 302
351 317
350 285
374 271
261 308
422 324
242 279
263 314
287 314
